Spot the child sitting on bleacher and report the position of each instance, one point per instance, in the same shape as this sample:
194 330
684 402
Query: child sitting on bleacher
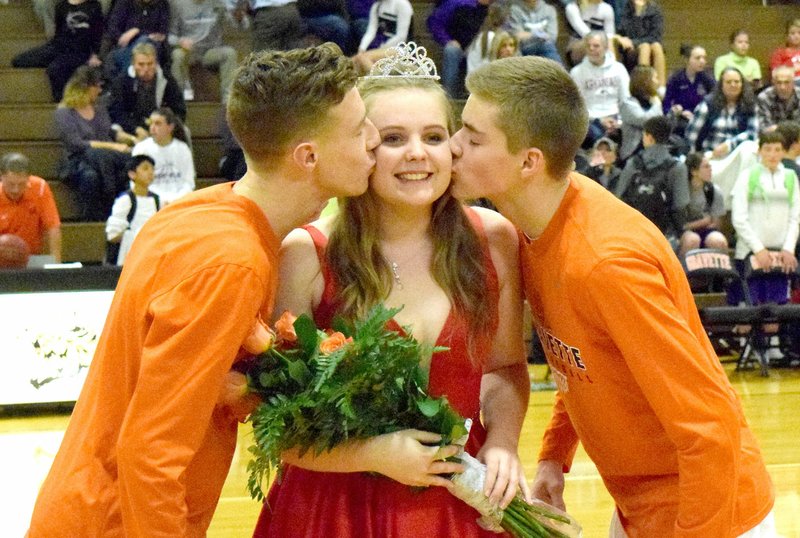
131 209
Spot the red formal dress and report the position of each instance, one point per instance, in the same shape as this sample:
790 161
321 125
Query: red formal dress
315 505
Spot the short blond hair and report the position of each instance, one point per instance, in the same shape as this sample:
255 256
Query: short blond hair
278 97
539 105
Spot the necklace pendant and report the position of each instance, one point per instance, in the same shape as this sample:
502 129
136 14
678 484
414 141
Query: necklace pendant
393 266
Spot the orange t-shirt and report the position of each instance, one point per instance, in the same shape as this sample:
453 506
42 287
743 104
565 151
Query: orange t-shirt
147 451
639 383
31 216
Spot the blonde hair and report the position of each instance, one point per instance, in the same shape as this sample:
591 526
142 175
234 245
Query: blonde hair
539 105
76 92
499 41
364 276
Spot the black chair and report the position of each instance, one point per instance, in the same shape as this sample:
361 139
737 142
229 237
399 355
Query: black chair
709 268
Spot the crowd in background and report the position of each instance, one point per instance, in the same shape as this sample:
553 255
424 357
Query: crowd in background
678 147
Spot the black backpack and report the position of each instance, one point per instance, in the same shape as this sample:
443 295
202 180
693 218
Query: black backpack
650 193
112 249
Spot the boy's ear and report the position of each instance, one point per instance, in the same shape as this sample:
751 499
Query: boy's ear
534 162
132 175
305 155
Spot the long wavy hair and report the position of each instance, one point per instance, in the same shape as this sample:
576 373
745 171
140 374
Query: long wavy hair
364 276
747 99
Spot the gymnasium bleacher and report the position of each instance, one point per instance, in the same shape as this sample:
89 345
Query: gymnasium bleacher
26 113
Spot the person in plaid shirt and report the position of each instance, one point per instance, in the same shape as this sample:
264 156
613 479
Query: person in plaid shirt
725 118
781 101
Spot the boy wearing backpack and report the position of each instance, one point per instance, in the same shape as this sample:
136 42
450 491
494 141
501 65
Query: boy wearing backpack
656 183
766 215
131 209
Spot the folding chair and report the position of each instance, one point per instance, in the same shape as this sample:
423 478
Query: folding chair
708 270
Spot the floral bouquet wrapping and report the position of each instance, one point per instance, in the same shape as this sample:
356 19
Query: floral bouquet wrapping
321 389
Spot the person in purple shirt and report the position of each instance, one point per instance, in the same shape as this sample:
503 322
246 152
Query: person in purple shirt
687 87
454 24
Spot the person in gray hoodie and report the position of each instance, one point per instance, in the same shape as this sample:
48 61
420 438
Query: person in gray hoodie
603 82
535 25
656 183
196 37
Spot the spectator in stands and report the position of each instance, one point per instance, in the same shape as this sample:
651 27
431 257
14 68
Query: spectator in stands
766 215
327 20
725 127
604 84
140 91
27 207
358 11
46 12
174 166
389 24
726 117
738 58
132 22
504 45
76 41
94 162
535 25
656 183
585 16
687 87
790 130
779 102
603 164
196 36
479 51
789 55
277 24
132 208
640 33
706 208
455 24
642 104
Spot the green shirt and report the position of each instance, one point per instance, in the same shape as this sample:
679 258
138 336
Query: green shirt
750 68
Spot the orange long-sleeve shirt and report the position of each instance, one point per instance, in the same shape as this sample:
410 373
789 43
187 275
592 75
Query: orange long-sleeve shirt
639 383
147 451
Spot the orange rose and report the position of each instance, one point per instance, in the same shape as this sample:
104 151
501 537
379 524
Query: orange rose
235 396
285 327
333 342
260 338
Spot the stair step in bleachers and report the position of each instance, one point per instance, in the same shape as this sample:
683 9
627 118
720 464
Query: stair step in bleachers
45 155
83 242
18 18
35 121
11 44
24 86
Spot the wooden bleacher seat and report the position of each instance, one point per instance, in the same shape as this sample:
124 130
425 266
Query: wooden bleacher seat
83 242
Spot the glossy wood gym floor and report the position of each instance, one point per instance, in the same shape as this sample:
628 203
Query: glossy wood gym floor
27 446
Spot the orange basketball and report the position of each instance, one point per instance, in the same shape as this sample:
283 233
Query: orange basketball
14 252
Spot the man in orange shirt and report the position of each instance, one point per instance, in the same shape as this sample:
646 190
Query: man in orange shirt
149 445
639 384
27 207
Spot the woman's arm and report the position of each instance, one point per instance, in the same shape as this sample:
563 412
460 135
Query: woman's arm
505 387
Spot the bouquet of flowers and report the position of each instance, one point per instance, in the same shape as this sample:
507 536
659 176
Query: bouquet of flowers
320 389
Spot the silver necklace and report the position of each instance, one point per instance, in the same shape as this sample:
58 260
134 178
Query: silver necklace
393 266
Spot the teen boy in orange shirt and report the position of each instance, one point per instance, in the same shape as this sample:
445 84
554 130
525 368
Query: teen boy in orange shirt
639 383
148 447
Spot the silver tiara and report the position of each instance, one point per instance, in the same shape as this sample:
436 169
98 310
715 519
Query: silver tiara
405 60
